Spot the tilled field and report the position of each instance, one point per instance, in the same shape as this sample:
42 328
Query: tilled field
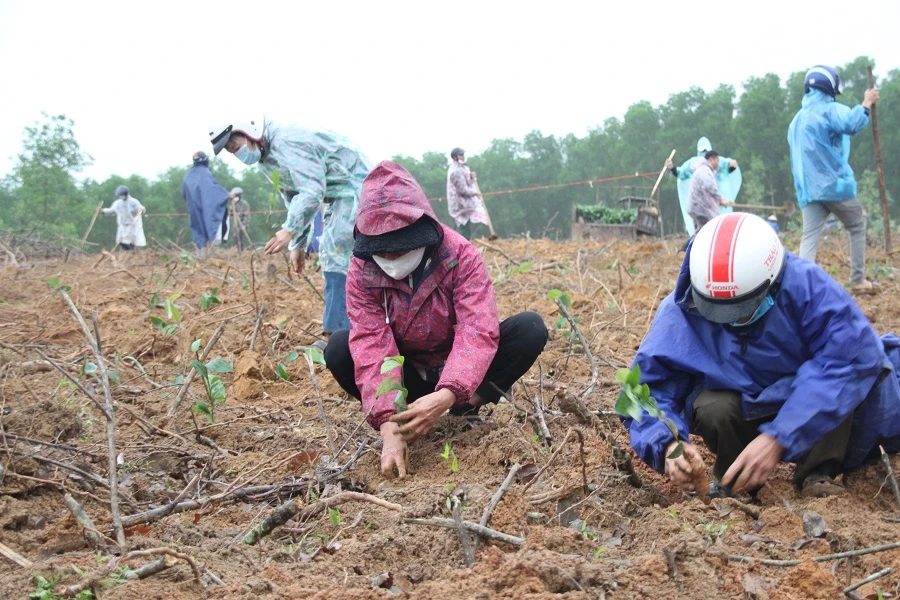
196 487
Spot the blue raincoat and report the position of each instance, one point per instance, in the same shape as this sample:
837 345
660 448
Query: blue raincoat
810 362
316 166
819 137
206 204
729 182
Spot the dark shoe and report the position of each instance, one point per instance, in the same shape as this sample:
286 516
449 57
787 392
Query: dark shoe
821 486
320 344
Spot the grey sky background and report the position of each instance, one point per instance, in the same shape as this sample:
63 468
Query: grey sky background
144 80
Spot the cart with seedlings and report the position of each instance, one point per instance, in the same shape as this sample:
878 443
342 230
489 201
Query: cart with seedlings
630 218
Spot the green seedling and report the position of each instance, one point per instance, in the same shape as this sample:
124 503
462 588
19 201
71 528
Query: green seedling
450 457
562 324
335 516
393 383
45 590
514 270
281 368
713 531
215 389
209 298
53 284
635 399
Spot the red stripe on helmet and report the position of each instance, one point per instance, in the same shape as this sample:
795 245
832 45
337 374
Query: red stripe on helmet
721 254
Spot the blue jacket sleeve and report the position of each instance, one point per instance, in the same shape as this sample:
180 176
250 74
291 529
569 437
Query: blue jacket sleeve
846 360
669 384
845 120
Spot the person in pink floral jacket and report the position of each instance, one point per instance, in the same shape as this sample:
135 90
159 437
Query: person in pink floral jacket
417 288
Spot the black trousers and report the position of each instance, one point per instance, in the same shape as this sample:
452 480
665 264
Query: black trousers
522 339
719 421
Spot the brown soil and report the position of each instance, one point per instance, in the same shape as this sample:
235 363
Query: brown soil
270 431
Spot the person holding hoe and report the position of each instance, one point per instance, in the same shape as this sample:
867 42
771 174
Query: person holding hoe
768 359
418 289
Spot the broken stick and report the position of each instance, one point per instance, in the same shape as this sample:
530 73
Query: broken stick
886 460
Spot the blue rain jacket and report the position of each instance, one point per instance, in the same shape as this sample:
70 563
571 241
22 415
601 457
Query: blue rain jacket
810 362
206 204
729 183
819 137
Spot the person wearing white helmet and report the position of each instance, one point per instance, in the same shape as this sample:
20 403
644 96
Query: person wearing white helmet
768 359
728 179
129 212
314 166
241 209
819 139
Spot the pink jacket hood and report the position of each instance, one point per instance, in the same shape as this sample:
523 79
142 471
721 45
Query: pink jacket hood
391 199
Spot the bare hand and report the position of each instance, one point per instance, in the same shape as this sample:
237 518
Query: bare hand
474 176
732 164
669 163
679 469
422 414
279 241
754 465
393 453
230 196
727 203
871 97
298 261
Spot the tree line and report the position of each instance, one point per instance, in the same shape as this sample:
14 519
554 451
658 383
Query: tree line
43 189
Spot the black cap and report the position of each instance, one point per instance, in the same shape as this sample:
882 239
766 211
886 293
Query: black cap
421 233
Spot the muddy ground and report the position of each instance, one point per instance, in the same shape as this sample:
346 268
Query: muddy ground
618 541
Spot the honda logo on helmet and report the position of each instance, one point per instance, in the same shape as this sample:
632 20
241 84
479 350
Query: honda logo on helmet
721 287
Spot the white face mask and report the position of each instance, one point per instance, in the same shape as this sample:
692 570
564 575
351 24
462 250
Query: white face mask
400 267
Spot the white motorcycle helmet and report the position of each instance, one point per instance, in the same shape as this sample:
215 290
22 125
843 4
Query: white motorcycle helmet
735 259
220 133
237 191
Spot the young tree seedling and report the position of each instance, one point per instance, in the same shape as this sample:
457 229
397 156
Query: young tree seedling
209 298
634 400
215 389
393 382
450 457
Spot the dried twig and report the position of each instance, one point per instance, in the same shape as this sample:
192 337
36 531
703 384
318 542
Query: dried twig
259 319
890 471
468 551
539 411
584 346
314 288
748 509
190 376
93 580
498 495
15 556
328 432
823 558
497 250
555 454
289 510
868 579
110 421
76 383
90 530
473 527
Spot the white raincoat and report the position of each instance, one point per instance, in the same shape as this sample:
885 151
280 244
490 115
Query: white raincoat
128 213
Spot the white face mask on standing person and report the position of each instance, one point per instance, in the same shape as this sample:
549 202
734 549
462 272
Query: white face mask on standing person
400 267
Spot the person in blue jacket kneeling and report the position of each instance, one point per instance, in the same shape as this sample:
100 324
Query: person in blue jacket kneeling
768 359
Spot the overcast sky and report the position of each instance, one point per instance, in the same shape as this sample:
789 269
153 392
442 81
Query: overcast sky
144 80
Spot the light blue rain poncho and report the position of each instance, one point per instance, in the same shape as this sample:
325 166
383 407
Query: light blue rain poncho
729 182
316 166
819 137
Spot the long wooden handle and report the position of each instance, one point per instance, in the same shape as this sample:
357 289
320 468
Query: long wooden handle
93 220
661 173
880 168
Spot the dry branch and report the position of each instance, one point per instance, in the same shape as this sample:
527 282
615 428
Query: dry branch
473 527
464 540
290 509
259 318
90 530
584 346
328 432
555 454
190 376
498 495
110 421
76 383
15 556
868 579
823 558
890 471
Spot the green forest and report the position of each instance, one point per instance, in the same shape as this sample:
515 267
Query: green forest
44 189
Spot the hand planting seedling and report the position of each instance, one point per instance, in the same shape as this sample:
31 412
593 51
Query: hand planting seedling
215 389
393 383
634 400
